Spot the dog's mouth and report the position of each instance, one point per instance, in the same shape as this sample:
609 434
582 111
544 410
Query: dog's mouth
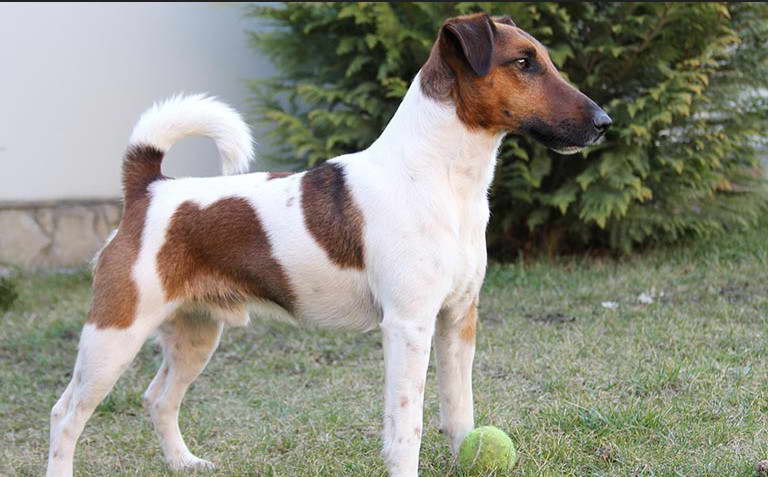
567 151
566 137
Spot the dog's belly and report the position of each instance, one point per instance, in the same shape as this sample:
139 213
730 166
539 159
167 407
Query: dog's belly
339 299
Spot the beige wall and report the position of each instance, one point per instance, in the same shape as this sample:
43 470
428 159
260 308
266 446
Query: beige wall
75 77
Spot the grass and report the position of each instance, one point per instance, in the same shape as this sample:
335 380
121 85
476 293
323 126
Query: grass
678 387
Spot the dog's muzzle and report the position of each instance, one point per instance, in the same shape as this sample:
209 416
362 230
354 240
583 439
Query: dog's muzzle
569 136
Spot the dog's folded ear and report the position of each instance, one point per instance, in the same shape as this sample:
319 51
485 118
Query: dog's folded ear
473 36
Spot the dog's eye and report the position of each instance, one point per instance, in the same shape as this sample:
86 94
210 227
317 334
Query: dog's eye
522 63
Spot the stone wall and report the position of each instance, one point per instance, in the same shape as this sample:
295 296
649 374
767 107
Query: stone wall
55 234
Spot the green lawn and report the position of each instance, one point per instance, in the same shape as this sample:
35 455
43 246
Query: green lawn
676 387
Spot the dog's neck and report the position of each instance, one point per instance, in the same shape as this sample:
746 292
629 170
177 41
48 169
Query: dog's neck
426 140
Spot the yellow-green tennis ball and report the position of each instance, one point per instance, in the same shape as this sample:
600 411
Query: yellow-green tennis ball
487 449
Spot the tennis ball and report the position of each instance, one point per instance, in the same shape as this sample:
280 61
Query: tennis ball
487 449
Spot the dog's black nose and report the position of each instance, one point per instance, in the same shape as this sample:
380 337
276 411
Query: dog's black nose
601 120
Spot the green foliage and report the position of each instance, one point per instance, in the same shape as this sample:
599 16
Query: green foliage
681 81
8 293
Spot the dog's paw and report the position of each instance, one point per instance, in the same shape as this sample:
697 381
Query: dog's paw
190 462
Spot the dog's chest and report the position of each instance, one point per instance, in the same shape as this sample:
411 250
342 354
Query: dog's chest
470 263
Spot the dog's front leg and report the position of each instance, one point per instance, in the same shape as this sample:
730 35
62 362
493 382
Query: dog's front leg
455 350
407 342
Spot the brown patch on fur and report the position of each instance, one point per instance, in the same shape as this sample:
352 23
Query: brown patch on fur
469 324
221 255
114 292
278 174
141 167
403 401
500 97
331 215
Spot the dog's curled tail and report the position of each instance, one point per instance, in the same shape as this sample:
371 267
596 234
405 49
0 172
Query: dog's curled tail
165 123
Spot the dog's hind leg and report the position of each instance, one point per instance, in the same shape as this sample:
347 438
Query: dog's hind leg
187 341
104 353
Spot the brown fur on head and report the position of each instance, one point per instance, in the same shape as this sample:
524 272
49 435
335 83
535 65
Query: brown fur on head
500 78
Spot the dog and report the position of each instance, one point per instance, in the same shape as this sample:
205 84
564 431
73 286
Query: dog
390 237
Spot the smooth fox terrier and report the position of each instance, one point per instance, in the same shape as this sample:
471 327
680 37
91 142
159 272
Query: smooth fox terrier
392 236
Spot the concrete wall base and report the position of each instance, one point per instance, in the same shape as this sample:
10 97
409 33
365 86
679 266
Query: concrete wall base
55 234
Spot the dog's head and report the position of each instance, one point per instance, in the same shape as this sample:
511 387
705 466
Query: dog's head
501 79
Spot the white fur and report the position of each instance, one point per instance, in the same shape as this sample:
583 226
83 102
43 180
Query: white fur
422 190
165 123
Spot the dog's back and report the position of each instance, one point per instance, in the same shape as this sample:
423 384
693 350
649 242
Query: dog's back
211 241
